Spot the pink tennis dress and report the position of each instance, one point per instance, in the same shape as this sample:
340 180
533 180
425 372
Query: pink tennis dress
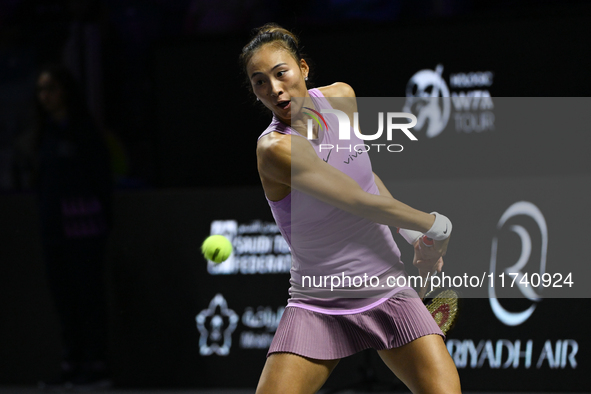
348 285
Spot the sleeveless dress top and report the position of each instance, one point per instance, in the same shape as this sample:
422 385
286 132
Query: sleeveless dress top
327 243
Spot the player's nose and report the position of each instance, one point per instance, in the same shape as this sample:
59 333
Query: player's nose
276 88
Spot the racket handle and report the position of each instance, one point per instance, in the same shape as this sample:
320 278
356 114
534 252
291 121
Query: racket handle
423 290
428 242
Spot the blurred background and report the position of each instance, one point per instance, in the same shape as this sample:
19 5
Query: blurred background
168 121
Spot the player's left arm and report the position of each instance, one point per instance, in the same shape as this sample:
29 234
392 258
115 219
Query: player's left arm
385 192
346 101
342 96
381 187
348 104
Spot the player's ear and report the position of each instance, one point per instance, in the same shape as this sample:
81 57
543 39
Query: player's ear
304 68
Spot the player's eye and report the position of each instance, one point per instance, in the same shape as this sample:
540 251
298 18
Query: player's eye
280 73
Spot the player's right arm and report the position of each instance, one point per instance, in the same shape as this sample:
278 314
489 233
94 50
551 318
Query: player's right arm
291 160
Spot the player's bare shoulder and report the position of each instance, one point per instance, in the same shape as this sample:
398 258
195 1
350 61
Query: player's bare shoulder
274 154
337 89
274 164
341 96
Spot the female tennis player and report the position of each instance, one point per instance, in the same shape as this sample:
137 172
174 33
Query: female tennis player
334 213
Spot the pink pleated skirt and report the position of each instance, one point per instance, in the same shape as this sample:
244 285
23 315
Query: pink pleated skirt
393 323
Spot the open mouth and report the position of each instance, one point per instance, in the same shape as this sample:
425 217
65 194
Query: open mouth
284 104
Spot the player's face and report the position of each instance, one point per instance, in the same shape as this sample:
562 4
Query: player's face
276 77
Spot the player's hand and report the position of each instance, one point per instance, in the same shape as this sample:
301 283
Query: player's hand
441 246
434 251
427 258
427 268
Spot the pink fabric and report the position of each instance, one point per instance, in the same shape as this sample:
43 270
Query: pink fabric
396 322
327 241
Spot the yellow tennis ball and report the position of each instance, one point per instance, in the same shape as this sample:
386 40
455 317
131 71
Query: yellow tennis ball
216 248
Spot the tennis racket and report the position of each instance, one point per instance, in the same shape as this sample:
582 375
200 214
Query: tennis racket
441 302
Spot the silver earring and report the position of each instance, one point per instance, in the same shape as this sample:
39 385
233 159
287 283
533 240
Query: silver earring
258 99
306 78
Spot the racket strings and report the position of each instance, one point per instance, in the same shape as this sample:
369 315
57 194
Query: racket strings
444 308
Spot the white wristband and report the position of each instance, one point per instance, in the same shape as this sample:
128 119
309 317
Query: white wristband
411 236
441 229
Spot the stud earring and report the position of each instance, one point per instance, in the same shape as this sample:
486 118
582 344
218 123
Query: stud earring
306 78
258 99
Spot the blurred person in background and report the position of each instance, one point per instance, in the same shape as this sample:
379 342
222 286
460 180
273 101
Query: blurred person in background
73 179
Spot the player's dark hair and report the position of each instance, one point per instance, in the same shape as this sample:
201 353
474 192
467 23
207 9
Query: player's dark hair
272 34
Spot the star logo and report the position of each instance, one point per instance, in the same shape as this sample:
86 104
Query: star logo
216 325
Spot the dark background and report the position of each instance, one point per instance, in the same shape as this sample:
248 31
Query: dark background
185 128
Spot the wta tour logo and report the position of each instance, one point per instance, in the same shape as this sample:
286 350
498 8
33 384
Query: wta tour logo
430 97
423 91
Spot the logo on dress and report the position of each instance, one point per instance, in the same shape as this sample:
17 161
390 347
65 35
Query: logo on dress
317 116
